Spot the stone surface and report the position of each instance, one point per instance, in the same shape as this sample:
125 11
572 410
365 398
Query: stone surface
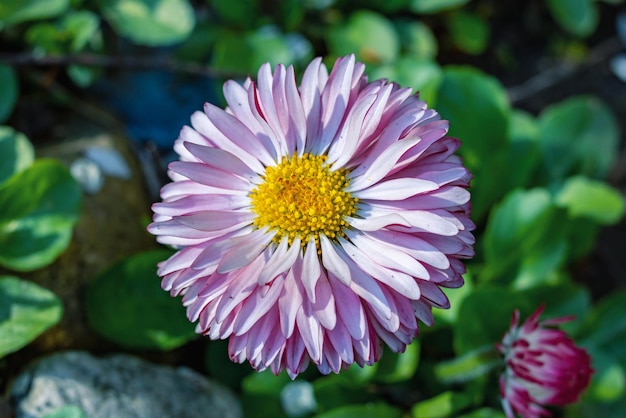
120 386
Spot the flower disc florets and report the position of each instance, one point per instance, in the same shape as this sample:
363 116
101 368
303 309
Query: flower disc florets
314 222
302 197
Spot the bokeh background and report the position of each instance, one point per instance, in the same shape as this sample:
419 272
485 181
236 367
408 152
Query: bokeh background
94 92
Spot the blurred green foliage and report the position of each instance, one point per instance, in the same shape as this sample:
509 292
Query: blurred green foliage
539 192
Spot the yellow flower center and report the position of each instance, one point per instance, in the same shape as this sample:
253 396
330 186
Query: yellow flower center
301 196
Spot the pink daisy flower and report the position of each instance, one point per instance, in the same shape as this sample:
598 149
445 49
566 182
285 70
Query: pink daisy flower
543 367
315 222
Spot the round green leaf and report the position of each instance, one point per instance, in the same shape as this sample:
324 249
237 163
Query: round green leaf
435 6
26 311
126 304
592 199
368 35
8 92
417 39
578 136
478 110
469 32
40 206
578 17
16 11
16 153
423 75
150 22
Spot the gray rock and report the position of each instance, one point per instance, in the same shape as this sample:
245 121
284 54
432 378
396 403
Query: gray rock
119 386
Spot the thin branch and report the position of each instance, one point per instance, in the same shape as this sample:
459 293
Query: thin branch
115 62
558 74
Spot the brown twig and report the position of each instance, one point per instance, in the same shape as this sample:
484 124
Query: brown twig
115 62
557 74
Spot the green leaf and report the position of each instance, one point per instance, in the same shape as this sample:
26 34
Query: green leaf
80 28
524 239
444 405
472 364
423 75
332 392
485 316
261 394
9 90
605 327
150 22
368 35
241 13
469 32
519 159
267 45
435 6
36 226
484 413
68 411
398 367
371 410
608 382
246 52
26 311
16 11
578 17
478 110
578 136
592 199
16 153
126 304
566 299
417 39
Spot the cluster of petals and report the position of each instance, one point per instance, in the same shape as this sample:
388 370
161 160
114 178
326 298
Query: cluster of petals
330 302
543 367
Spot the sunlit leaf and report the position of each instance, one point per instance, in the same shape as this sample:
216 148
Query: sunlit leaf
423 75
524 237
126 304
9 89
435 6
36 226
16 11
368 35
592 199
578 136
446 404
68 411
150 22
16 153
26 311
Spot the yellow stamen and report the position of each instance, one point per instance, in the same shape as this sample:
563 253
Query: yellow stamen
302 197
